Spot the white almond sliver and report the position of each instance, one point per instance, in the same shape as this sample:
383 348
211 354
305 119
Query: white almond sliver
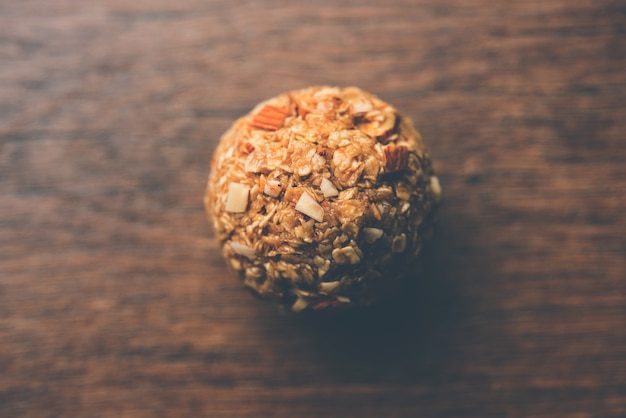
307 205
435 187
372 235
328 287
328 188
300 305
272 188
242 249
361 107
237 199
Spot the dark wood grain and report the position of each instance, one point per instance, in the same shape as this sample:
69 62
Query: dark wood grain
114 300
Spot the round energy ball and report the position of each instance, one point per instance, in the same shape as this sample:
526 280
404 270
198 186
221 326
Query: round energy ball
322 198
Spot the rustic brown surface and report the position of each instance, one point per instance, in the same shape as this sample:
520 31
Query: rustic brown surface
115 302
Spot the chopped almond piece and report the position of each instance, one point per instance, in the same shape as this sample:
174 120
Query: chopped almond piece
396 157
435 188
304 170
309 206
242 249
270 117
299 305
247 147
372 235
328 188
378 128
272 188
328 287
361 107
237 199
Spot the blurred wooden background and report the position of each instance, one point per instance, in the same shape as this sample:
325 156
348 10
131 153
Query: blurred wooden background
114 301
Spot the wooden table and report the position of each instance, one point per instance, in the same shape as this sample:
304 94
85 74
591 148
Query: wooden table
115 301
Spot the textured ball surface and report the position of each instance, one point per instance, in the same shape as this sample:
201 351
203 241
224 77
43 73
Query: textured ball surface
322 197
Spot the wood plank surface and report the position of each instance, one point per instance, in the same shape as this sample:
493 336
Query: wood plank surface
114 299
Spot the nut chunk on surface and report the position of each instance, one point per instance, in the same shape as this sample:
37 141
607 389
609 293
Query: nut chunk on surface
237 198
322 198
307 205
